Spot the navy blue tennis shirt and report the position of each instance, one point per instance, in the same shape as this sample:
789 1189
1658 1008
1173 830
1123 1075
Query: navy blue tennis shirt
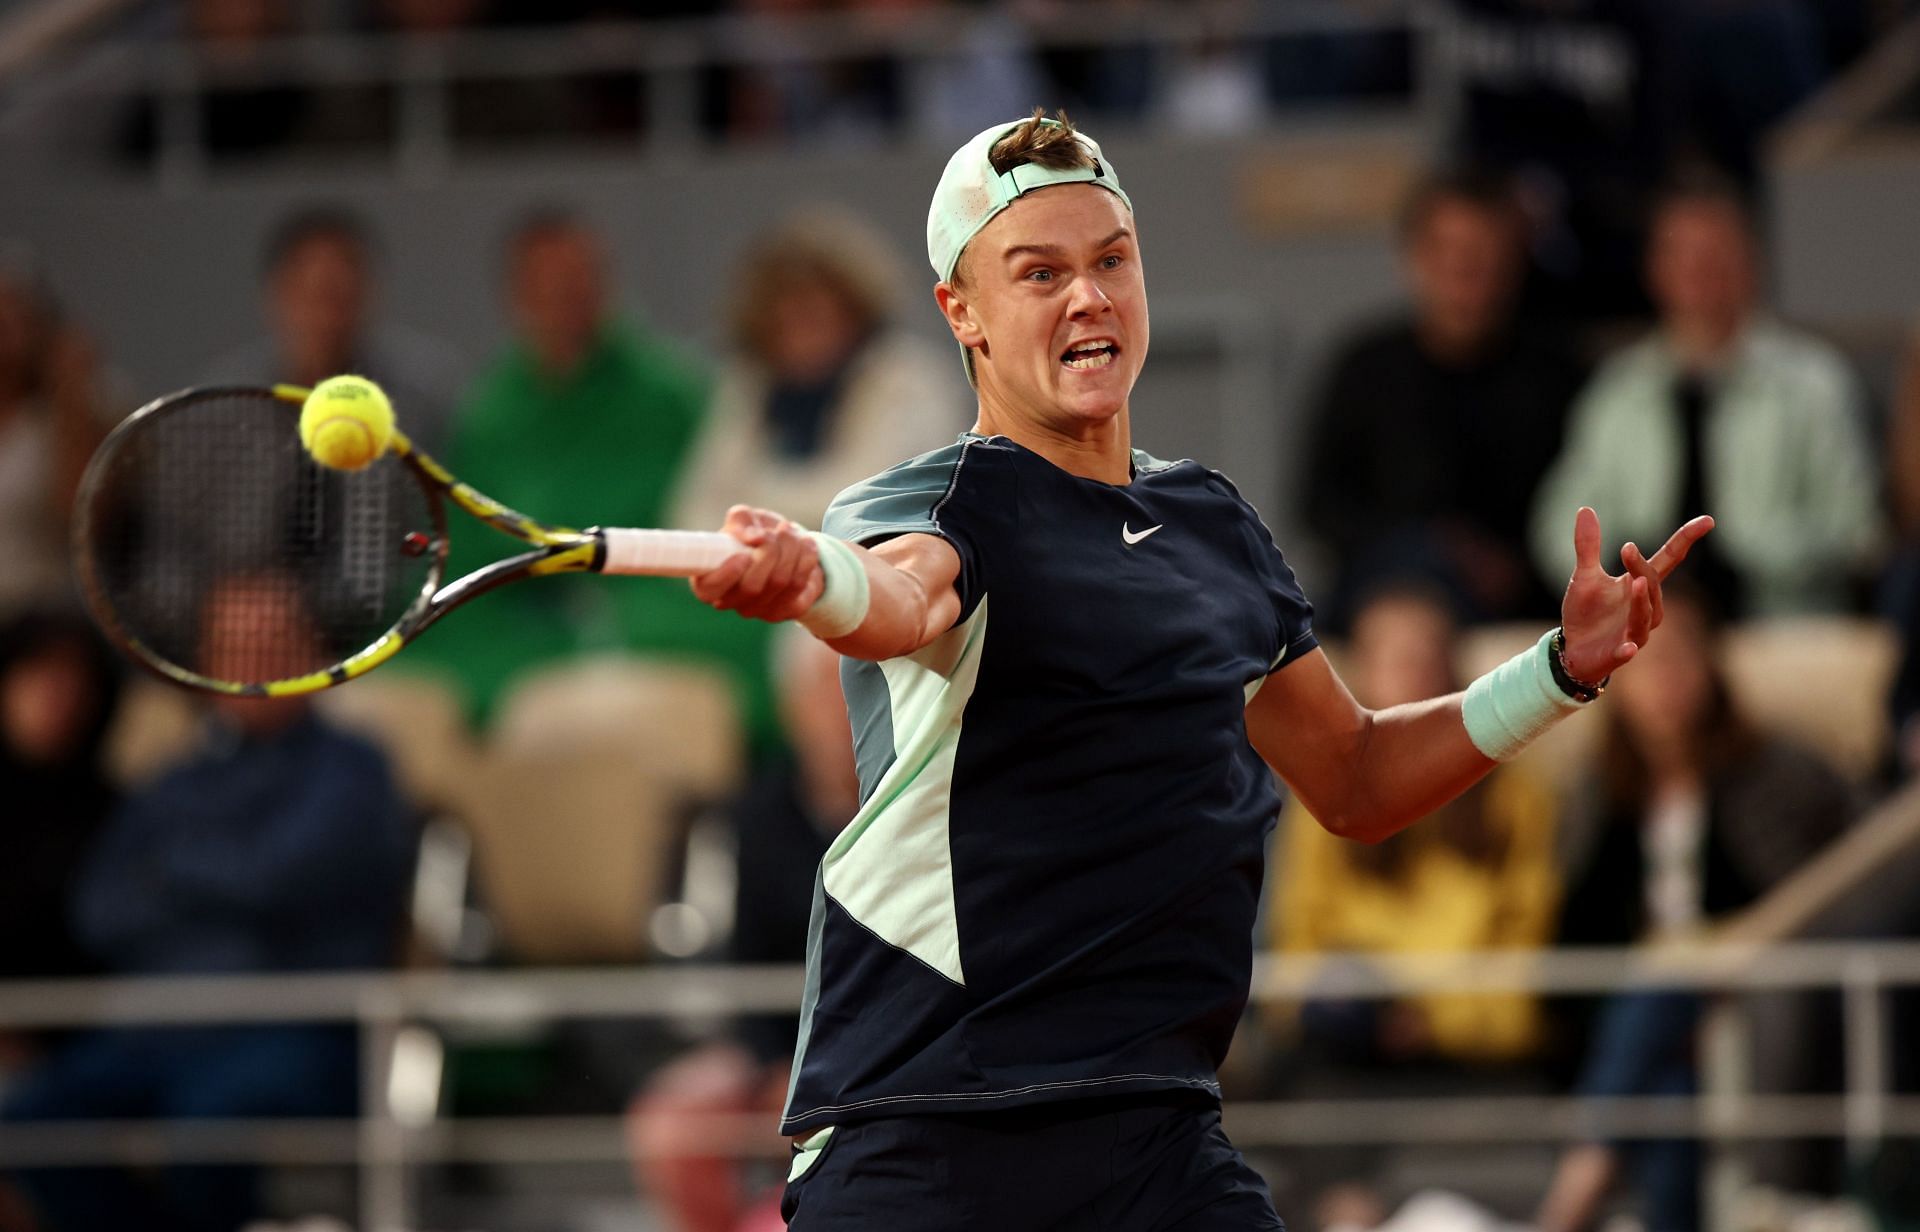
1049 890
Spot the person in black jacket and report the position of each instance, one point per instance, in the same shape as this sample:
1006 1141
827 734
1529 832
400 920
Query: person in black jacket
1432 428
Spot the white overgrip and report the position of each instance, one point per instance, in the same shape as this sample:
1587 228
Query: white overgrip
666 553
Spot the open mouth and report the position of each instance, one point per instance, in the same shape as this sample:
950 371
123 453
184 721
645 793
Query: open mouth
1097 353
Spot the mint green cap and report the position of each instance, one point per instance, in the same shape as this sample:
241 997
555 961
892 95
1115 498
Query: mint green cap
971 192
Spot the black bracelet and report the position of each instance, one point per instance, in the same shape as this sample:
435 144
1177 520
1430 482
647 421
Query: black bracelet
1578 690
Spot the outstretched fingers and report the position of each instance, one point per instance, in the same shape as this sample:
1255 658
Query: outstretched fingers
1586 541
1676 548
1638 566
1639 616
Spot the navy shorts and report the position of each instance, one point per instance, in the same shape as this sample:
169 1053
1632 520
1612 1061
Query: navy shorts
1073 1166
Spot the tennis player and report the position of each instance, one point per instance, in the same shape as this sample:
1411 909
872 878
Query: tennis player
1069 667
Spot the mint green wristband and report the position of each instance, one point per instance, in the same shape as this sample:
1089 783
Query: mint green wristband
1509 707
842 605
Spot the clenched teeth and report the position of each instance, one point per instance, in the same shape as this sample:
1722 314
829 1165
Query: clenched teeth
1096 353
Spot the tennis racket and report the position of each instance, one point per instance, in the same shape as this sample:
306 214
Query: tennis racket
214 550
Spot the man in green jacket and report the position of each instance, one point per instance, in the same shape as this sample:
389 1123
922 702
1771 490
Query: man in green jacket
584 420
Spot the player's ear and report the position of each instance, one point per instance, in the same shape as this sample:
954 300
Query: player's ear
958 310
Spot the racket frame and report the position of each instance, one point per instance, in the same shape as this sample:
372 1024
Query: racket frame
556 549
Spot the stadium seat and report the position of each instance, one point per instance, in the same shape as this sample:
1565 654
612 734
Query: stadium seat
676 720
578 809
1823 680
418 721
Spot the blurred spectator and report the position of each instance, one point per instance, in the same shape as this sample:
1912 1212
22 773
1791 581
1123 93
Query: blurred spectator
1900 589
1582 101
58 688
1431 430
823 389
282 848
1694 814
52 414
1721 410
585 420
319 290
242 119
783 822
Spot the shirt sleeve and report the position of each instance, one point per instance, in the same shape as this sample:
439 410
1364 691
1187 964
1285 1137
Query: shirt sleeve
929 495
1292 611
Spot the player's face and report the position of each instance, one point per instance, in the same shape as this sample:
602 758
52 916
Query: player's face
1056 304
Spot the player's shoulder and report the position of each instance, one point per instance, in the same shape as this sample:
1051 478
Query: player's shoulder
913 495
1185 474
929 473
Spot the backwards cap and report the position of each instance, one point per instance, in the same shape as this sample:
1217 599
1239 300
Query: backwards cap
971 192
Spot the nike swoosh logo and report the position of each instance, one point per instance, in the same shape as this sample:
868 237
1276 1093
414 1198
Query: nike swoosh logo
1127 533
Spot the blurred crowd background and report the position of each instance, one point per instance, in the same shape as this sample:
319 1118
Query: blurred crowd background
1427 278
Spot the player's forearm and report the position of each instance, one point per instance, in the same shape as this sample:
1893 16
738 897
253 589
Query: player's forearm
1408 761
904 610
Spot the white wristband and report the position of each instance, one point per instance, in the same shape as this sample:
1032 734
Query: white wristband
1510 706
842 605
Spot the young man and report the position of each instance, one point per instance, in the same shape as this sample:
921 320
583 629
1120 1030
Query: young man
1066 664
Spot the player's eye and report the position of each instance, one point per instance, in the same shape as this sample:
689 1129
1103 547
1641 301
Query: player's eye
1111 261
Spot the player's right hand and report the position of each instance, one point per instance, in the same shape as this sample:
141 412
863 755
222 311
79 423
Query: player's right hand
778 580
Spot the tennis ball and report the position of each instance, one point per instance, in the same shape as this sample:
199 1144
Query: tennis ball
346 422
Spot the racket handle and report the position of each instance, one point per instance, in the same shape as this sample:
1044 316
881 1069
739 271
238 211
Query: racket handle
666 553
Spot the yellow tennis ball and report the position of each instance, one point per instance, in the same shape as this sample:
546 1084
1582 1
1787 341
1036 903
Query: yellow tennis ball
346 422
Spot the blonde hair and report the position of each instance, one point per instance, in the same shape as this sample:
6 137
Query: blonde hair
819 247
1053 144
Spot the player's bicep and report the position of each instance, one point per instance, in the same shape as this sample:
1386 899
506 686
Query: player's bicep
1306 725
933 564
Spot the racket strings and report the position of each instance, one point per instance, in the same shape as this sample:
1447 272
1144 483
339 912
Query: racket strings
215 543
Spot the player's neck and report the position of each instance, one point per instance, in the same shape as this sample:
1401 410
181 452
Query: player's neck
1100 450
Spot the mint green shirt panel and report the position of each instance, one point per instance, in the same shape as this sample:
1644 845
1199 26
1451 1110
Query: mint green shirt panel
891 868
1788 467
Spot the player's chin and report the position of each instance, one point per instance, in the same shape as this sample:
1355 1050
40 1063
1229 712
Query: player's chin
1093 407
1094 396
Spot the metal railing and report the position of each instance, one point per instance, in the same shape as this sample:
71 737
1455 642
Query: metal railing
395 1131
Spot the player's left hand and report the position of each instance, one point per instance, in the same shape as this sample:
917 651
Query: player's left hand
778 580
1608 618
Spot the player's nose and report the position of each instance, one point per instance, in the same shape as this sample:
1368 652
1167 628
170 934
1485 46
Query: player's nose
1088 298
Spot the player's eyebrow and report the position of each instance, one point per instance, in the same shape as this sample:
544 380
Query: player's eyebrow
1056 250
